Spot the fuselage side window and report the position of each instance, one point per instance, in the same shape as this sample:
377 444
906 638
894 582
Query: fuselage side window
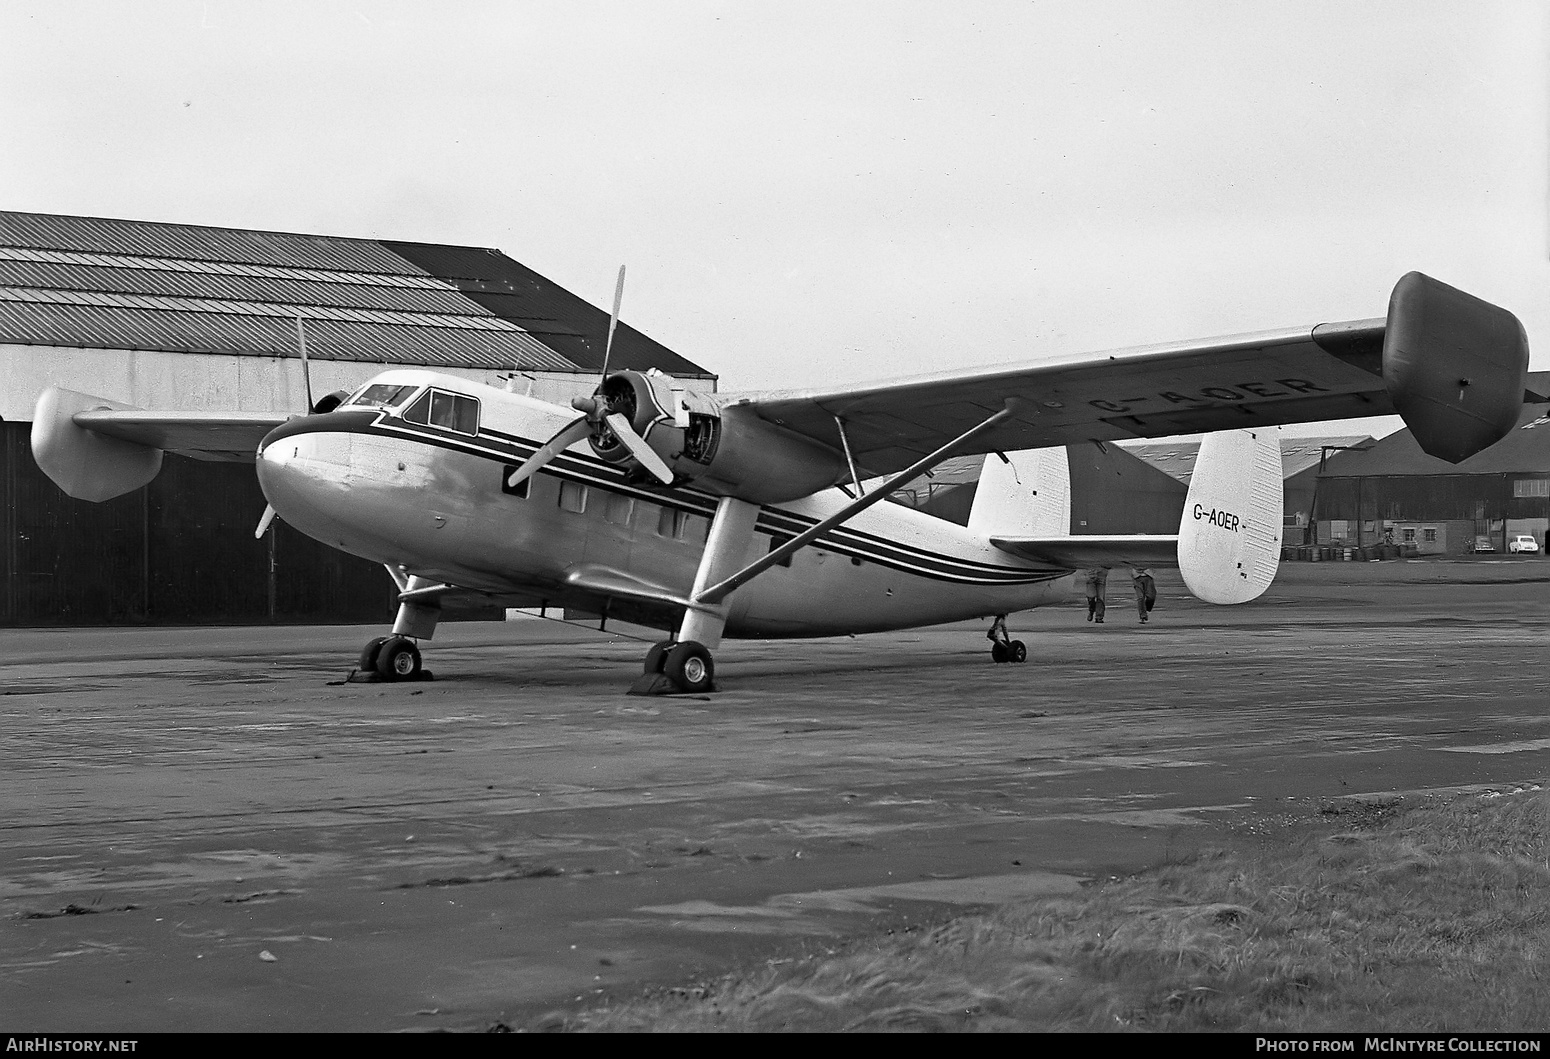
573 497
455 411
523 488
682 525
777 541
668 521
619 509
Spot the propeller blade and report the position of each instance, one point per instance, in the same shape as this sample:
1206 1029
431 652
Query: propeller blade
263 523
613 322
572 432
306 366
642 452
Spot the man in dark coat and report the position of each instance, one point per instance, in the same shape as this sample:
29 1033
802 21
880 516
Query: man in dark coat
1146 591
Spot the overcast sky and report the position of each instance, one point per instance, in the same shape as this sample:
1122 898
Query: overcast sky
832 192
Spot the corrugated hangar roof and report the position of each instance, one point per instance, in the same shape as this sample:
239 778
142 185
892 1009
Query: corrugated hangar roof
1525 450
116 284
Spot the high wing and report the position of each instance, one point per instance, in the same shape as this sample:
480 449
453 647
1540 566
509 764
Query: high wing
230 436
95 449
1439 350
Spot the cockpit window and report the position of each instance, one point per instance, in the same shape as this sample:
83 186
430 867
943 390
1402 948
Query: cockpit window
452 411
380 395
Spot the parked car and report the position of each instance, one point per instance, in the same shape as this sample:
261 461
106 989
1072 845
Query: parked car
1483 544
1523 544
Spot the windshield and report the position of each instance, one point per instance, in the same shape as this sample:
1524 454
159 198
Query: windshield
380 395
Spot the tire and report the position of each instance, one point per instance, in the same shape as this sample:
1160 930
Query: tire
368 663
689 666
998 652
657 656
1017 651
399 659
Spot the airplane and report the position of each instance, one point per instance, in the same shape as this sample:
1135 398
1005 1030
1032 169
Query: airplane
713 515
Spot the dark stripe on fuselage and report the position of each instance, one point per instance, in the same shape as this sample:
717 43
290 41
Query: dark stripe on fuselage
500 447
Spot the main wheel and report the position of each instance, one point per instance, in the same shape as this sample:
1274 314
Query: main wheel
398 659
369 654
998 652
1017 651
656 656
689 666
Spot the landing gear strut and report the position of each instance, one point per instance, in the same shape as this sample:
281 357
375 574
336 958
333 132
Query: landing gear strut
397 657
1002 647
683 664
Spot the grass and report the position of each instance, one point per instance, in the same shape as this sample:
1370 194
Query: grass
1433 917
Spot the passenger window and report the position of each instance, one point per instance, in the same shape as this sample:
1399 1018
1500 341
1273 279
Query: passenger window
683 526
573 497
780 541
619 509
522 488
670 523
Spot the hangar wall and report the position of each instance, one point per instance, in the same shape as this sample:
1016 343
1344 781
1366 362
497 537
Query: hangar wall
178 381
154 556
1361 511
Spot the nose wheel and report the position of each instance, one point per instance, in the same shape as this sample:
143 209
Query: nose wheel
676 668
391 659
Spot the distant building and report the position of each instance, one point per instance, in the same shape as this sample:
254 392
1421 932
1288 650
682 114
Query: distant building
1394 493
181 317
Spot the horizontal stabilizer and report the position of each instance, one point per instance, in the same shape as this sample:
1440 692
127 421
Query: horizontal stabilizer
232 436
1087 550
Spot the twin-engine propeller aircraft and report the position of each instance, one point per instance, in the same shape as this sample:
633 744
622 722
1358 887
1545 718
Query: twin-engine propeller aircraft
460 487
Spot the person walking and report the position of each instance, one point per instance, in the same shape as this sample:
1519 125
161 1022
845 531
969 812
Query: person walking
1146 591
1094 582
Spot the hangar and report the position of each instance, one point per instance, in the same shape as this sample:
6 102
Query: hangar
175 317
1393 493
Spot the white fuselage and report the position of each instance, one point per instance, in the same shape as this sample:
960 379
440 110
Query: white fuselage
430 499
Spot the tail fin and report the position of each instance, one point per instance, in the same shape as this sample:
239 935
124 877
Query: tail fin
1023 494
1230 534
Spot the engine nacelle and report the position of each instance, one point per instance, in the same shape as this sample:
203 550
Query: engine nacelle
725 451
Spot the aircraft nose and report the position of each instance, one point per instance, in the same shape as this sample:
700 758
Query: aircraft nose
303 476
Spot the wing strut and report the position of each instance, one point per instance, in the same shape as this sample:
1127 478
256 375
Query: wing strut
849 459
717 592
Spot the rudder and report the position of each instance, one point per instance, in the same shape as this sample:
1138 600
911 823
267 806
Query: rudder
1230 532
